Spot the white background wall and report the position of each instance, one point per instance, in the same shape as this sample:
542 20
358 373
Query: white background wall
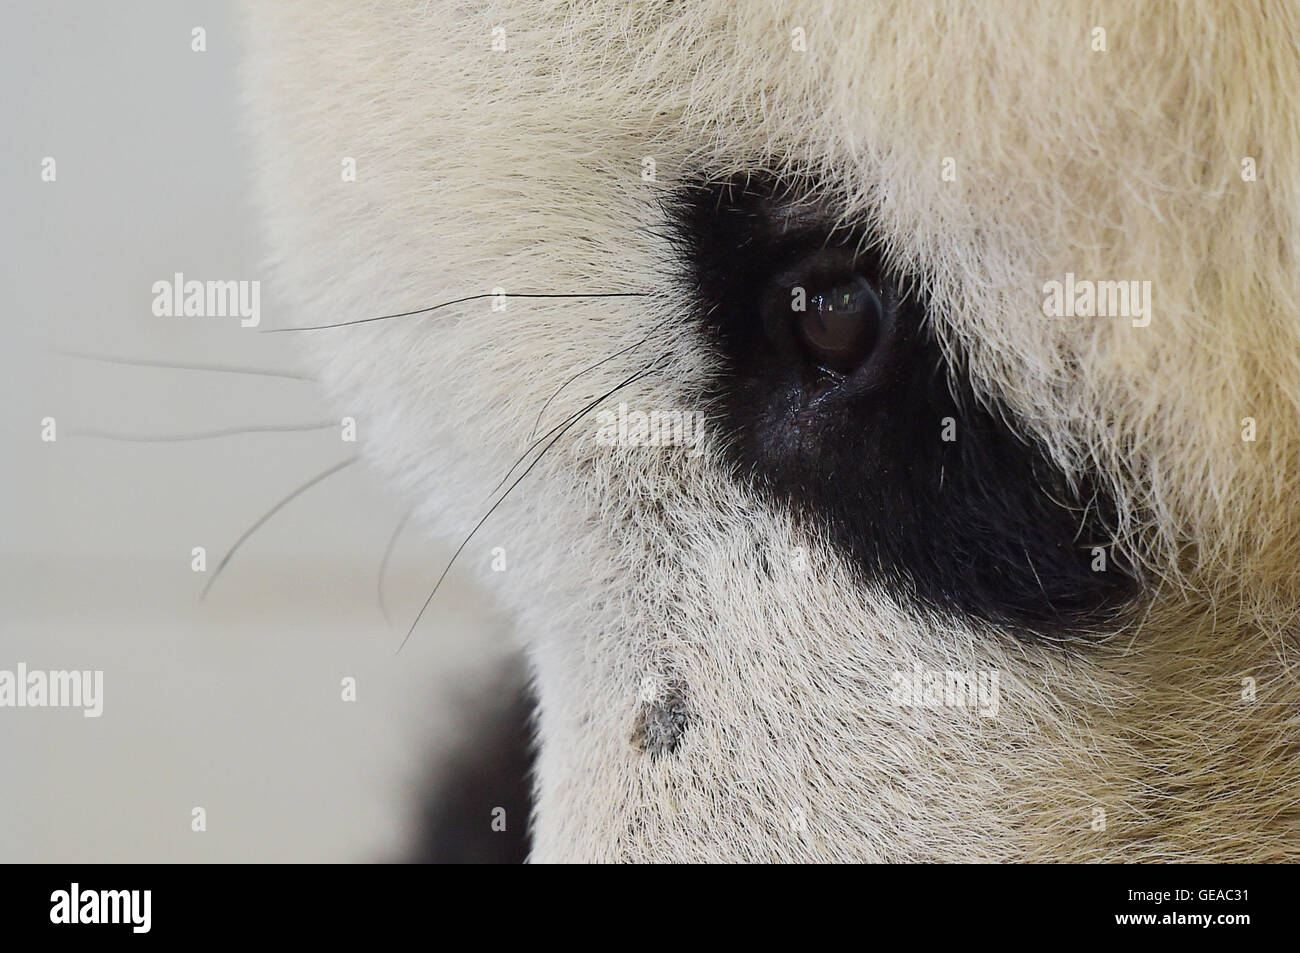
232 704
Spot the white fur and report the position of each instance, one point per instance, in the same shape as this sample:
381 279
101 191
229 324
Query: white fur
522 170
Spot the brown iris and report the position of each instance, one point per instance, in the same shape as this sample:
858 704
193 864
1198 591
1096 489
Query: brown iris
840 323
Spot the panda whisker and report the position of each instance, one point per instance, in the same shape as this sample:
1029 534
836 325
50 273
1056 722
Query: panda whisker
533 446
383 565
639 375
201 435
588 370
182 366
448 304
225 560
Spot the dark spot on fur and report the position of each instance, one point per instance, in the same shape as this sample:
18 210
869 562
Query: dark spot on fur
661 722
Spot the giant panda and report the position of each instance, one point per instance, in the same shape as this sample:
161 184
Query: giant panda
985 322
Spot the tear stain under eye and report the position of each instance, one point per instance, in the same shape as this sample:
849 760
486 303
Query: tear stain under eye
661 722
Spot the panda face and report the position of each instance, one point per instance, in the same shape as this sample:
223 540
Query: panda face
985 549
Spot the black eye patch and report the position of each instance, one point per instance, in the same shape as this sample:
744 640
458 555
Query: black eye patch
835 398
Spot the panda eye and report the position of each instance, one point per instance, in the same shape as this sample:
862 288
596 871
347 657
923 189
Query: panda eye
831 313
834 396
839 324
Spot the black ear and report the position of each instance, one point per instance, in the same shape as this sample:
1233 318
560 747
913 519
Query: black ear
926 488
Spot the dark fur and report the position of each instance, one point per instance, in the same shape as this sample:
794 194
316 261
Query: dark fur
983 527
